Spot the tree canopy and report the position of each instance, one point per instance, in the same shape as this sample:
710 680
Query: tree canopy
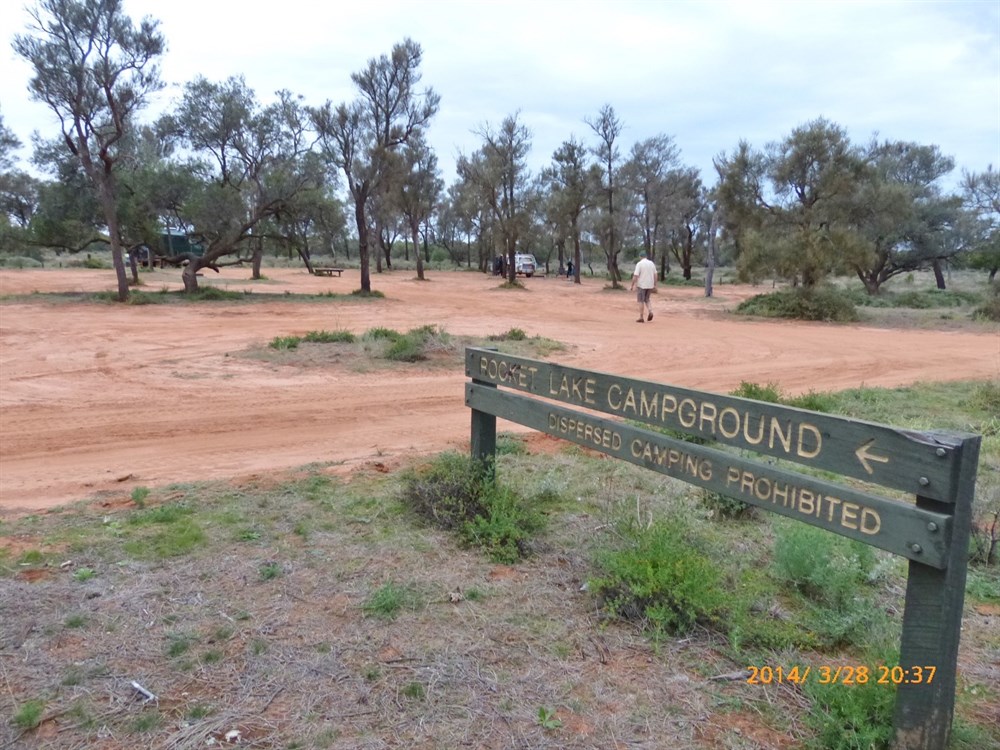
234 175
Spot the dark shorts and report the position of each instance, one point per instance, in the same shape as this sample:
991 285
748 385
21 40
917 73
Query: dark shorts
642 295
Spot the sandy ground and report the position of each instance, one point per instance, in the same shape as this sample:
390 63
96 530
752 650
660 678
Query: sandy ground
105 398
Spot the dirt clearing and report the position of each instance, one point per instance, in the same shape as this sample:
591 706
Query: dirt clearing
97 398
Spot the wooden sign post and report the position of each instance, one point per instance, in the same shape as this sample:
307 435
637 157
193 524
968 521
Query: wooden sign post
938 468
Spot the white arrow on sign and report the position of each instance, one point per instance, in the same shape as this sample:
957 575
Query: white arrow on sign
865 455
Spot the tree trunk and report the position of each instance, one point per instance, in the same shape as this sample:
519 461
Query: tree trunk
106 192
710 261
938 273
362 224
304 254
576 255
416 252
190 276
258 257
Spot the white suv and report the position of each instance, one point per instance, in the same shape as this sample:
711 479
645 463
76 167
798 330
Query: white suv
525 263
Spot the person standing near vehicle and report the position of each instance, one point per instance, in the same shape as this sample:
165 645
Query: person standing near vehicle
644 277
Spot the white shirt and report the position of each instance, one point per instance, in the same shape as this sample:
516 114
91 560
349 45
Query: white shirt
645 274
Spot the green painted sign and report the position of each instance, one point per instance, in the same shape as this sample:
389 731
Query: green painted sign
937 467
918 463
897 527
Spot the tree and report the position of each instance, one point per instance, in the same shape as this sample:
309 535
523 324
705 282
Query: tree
499 172
685 216
981 196
791 206
608 127
647 173
739 193
68 215
572 186
418 191
18 194
359 138
94 70
253 163
900 214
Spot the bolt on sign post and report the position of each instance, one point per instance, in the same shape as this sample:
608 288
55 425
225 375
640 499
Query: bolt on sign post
938 468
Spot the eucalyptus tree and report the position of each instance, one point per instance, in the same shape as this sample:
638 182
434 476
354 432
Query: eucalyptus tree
418 190
740 194
94 69
464 222
685 217
981 197
904 220
18 193
608 127
647 174
9 144
358 138
573 186
253 163
792 204
312 223
499 173
68 217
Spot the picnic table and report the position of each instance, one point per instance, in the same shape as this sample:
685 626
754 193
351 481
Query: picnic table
327 271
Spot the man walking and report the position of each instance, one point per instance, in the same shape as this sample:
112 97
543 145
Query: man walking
644 277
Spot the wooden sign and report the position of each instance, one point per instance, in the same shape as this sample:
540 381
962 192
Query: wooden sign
937 467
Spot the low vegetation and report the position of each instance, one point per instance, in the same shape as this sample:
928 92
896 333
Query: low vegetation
968 296
422 344
568 595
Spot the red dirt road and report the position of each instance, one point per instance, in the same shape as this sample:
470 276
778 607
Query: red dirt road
97 398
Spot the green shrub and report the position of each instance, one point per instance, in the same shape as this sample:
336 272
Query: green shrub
828 570
918 299
822 402
990 309
725 507
457 493
163 514
285 343
172 540
849 717
406 349
139 495
29 715
505 528
447 493
387 601
826 304
769 393
513 334
270 570
380 333
660 580
511 445
330 337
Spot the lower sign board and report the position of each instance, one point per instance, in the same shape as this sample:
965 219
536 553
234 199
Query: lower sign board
897 527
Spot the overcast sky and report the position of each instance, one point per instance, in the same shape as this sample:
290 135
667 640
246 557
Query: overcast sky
705 73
